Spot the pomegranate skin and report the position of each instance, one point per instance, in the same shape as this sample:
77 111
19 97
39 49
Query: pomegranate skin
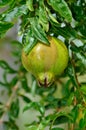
46 62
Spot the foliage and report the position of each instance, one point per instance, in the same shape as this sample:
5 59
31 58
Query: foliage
64 19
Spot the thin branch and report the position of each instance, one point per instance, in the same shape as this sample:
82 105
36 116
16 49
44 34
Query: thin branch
8 103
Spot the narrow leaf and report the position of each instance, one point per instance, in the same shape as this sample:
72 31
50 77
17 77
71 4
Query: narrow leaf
36 106
38 32
26 99
83 88
82 58
4 27
43 18
29 4
15 13
62 8
5 2
14 110
6 67
56 128
28 40
51 17
3 85
66 31
25 84
33 127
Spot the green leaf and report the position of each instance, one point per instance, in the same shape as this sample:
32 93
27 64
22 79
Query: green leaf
32 128
82 58
24 83
2 84
38 32
14 110
6 67
53 117
4 27
82 27
38 125
56 128
82 123
43 18
1 112
72 74
51 17
16 52
83 88
70 99
28 40
5 2
74 113
66 91
1 109
79 10
62 8
13 82
67 31
36 106
15 13
10 126
61 120
33 88
29 4
26 99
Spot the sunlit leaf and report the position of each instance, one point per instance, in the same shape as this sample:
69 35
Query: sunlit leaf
36 106
51 17
43 18
15 13
38 31
70 99
82 58
83 88
33 127
29 4
62 8
28 40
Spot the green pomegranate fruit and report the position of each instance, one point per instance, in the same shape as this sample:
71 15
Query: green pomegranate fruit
46 62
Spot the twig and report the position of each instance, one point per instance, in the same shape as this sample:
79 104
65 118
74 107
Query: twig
8 103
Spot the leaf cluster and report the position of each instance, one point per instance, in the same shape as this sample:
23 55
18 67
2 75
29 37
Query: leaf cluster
65 19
